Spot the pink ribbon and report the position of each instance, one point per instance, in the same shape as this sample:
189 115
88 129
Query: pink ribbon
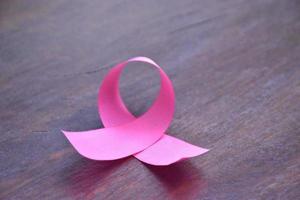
124 134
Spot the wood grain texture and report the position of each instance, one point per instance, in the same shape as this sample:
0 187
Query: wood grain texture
235 68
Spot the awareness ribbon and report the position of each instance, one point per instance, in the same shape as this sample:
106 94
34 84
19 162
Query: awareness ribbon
124 135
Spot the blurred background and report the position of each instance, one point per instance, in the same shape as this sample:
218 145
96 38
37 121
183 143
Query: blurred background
235 69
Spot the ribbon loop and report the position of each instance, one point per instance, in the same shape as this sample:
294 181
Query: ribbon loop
113 111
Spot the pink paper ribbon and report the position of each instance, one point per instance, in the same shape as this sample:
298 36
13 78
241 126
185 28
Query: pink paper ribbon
124 134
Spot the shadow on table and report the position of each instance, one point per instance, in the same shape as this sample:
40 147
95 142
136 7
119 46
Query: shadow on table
88 179
85 179
180 180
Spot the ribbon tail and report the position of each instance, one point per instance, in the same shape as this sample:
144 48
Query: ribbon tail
169 150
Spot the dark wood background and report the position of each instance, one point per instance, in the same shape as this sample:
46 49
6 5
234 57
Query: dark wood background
235 68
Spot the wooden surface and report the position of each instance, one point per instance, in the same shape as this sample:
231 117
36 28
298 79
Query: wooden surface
235 68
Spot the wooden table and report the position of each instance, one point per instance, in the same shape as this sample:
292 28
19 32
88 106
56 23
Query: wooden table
235 68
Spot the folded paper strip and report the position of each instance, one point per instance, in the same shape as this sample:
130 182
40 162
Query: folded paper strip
124 134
